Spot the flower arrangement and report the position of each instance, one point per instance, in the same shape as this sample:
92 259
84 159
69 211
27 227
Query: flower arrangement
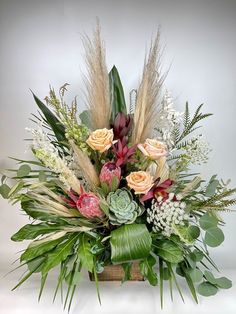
113 187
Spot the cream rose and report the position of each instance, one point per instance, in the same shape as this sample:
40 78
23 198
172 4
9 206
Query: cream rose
153 149
101 139
140 181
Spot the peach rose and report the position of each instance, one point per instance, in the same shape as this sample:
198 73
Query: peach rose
140 181
101 139
153 149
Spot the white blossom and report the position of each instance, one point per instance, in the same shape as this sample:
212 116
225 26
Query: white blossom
48 154
165 214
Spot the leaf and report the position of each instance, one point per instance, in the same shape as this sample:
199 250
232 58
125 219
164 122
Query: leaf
38 261
29 232
4 190
207 289
104 207
23 171
196 255
161 281
130 242
127 271
59 254
85 254
85 118
194 232
223 283
53 122
214 237
116 93
190 284
42 176
146 268
169 251
196 275
35 250
211 188
16 188
208 221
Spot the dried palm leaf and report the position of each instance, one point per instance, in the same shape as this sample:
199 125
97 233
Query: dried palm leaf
149 94
97 81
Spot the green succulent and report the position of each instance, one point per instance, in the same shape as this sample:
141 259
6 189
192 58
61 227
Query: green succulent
123 209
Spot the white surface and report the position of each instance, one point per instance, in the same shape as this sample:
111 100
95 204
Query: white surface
132 298
40 44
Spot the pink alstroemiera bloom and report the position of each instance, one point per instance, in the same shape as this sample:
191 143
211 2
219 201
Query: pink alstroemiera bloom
109 171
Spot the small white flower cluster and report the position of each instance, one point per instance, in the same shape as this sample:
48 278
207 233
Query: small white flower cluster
197 150
48 154
168 119
163 215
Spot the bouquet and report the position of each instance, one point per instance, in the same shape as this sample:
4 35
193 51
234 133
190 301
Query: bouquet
114 186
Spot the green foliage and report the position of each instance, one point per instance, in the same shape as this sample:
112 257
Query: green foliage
146 268
29 232
23 171
207 289
130 242
117 97
168 251
52 121
4 190
214 236
85 118
208 221
84 253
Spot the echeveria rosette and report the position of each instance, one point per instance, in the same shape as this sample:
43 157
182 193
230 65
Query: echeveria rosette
123 209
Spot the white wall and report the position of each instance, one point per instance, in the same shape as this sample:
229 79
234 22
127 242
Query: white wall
40 44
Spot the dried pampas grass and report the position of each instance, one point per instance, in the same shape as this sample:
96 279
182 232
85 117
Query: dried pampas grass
85 166
97 81
149 94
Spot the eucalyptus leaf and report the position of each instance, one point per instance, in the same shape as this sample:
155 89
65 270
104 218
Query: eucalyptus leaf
130 242
85 118
214 236
211 188
208 221
4 190
223 283
196 275
207 289
193 231
23 171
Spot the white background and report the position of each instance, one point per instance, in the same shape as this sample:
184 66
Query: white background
41 45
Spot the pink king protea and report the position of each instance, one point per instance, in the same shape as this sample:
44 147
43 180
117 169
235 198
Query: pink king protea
88 205
109 171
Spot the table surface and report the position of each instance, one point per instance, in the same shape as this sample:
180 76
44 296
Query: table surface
131 297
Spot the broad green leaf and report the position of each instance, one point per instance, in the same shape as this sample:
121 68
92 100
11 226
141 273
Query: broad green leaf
169 251
207 289
130 242
55 124
190 284
214 237
4 190
59 254
84 253
29 232
37 249
116 93
23 171
146 268
85 118
208 221
209 277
